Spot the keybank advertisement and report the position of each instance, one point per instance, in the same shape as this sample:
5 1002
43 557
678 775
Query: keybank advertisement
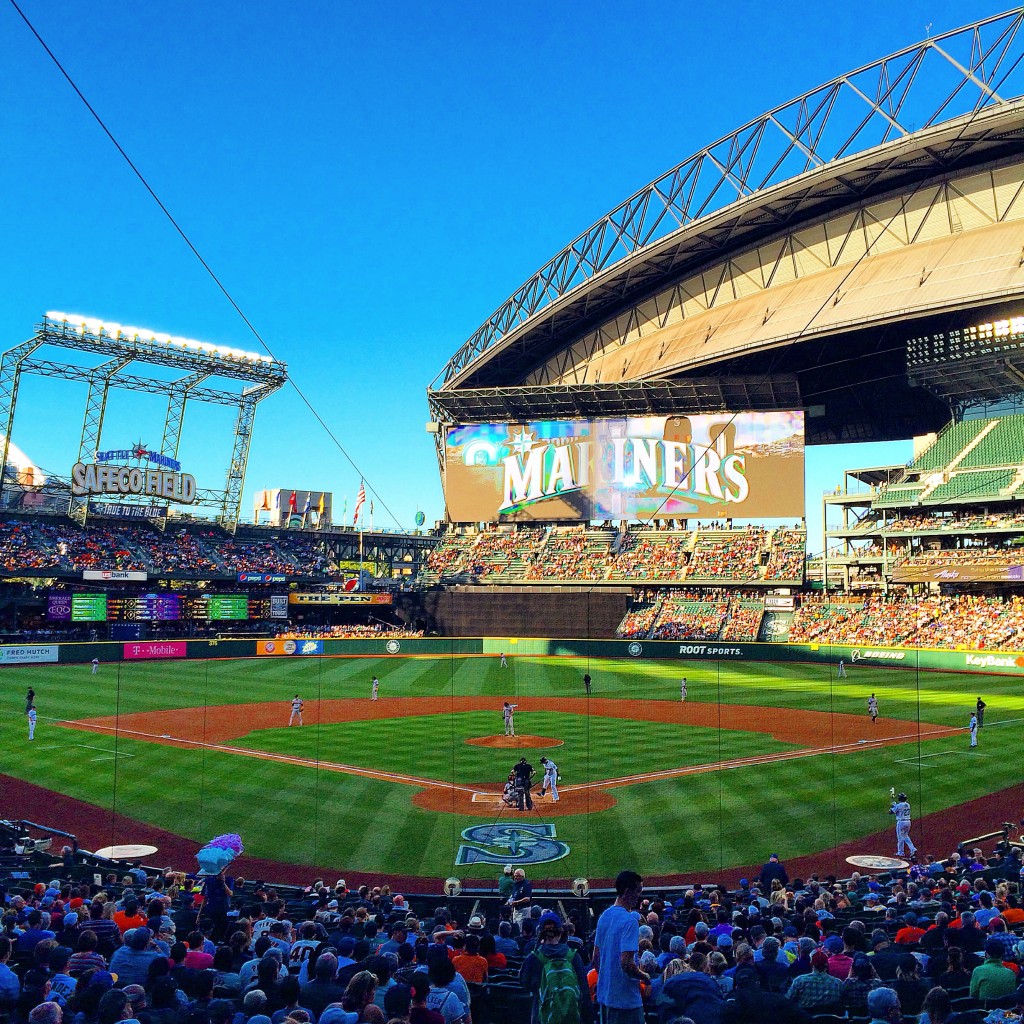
750 465
31 654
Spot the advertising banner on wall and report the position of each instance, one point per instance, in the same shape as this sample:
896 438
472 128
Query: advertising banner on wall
114 575
156 649
279 606
279 647
30 654
315 597
750 465
962 572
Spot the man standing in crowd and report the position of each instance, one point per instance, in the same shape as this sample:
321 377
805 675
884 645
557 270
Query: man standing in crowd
772 869
521 896
616 945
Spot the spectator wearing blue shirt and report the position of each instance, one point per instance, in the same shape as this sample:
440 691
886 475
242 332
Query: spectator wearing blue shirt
616 944
34 934
10 987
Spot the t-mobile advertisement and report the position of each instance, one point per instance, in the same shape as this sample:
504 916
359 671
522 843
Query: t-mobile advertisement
156 649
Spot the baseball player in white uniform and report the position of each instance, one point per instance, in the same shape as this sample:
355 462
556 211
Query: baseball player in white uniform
32 722
873 708
504 662
682 690
374 687
95 665
550 780
296 714
973 726
901 808
842 669
508 710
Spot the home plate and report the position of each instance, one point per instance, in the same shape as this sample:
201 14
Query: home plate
486 798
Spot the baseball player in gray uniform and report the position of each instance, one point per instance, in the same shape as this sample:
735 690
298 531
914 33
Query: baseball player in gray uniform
901 809
550 778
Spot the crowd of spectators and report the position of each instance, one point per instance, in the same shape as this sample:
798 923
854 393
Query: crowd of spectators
735 555
167 948
63 545
919 522
957 621
374 631
682 619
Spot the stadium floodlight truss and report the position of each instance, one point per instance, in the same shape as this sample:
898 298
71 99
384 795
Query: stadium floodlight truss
121 346
977 68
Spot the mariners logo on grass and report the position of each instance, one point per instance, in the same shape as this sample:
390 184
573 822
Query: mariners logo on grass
636 649
393 647
511 844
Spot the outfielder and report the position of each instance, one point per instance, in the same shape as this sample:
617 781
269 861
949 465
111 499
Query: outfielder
508 710
873 708
973 726
504 663
682 690
32 722
841 674
296 710
95 665
374 687
901 808
550 780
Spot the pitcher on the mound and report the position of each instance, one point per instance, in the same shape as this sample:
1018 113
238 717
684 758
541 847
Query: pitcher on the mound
508 710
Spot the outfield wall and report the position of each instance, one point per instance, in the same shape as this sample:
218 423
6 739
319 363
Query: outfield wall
1009 663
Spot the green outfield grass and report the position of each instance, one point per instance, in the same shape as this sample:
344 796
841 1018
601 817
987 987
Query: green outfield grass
700 822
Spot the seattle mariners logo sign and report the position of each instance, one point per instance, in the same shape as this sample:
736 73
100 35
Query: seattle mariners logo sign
636 649
511 844
393 647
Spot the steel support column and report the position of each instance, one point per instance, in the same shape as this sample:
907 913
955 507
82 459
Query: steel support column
10 378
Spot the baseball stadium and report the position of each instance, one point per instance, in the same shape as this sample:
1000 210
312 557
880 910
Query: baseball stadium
622 647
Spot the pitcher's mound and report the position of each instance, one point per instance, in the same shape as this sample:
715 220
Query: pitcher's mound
514 742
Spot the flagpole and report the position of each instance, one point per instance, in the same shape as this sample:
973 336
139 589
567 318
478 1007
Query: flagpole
360 558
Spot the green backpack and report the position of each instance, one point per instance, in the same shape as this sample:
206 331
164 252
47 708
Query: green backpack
559 989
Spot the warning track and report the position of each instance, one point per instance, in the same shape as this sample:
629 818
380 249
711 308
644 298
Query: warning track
213 727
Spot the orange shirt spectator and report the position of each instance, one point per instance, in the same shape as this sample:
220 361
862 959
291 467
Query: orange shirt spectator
129 917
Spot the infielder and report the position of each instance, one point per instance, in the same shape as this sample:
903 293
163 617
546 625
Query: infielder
682 690
504 662
901 808
973 726
841 674
32 722
873 708
508 710
95 665
374 687
550 780
296 710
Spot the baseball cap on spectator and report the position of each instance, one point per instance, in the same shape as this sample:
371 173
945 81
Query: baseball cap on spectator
753 909
334 1014
70 919
724 941
347 945
744 883
790 932
677 944
819 959
549 918
39 888
476 922
332 905
76 902
833 944
102 979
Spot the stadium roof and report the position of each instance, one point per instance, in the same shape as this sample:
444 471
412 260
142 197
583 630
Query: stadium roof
953 101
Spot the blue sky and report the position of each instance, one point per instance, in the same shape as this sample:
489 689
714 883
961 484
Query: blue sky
369 181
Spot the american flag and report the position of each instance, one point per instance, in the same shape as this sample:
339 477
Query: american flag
360 501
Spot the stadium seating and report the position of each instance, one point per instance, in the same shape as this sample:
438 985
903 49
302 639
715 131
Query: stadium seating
62 891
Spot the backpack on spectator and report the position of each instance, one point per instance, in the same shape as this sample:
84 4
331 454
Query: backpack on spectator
559 989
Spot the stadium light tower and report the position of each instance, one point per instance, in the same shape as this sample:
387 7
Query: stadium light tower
119 346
